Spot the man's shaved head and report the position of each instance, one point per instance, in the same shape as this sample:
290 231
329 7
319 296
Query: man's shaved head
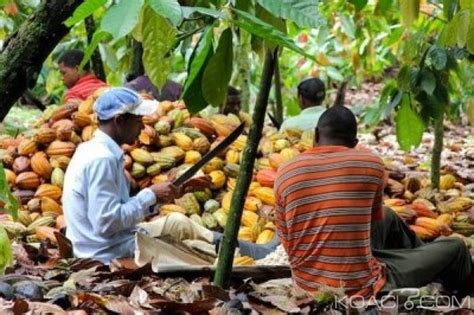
337 126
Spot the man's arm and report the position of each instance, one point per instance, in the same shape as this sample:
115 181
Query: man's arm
106 210
377 206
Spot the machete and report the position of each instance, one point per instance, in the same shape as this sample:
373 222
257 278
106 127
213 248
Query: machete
209 155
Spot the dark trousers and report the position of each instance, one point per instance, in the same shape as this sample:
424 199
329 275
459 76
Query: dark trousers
411 263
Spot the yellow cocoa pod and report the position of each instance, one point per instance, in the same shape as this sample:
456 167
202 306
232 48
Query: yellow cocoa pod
81 119
215 164
45 135
249 218
57 177
27 147
28 180
192 157
239 144
165 209
175 152
142 156
218 179
88 132
59 161
246 234
183 141
50 205
232 156
446 218
265 194
281 144
265 237
264 164
48 190
201 144
41 165
11 176
61 148
447 182
243 261
252 204
226 201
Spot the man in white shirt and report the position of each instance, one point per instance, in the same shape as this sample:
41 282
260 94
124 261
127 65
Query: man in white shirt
101 215
311 94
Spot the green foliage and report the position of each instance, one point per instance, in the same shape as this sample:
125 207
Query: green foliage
303 12
169 9
84 10
192 93
121 18
266 31
98 37
409 126
6 254
218 71
410 10
11 203
158 39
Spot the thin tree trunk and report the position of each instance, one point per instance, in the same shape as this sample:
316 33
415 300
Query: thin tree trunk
97 64
136 67
25 51
278 99
437 149
242 78
229 240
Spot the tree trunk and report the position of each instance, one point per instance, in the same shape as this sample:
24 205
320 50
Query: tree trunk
97 64
136 67
25 51
278 99
229 240
437 149
242 78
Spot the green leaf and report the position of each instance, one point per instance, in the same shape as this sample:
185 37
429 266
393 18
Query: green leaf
428 81
407 78
464 21
259 28
449 7
158 39
98 37
448 36
470 38
84 10
121 18
409 11
383 6
467 4
11 202
409 126
6 254
169 9
303 12
244 5
359 4
218 71
439 57
188 11
192 92
334 74
269 18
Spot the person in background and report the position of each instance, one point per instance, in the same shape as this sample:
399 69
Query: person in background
171 91
80 84
311 94
331 221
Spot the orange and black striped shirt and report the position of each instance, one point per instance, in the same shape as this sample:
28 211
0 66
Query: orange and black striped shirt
326 199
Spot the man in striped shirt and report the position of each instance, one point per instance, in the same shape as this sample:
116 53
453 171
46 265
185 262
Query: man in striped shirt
332 224
81 84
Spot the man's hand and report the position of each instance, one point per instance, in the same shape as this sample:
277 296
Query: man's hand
164 192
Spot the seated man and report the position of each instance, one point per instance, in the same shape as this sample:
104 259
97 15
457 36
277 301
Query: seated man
101 216
81 84
332 225
311 94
